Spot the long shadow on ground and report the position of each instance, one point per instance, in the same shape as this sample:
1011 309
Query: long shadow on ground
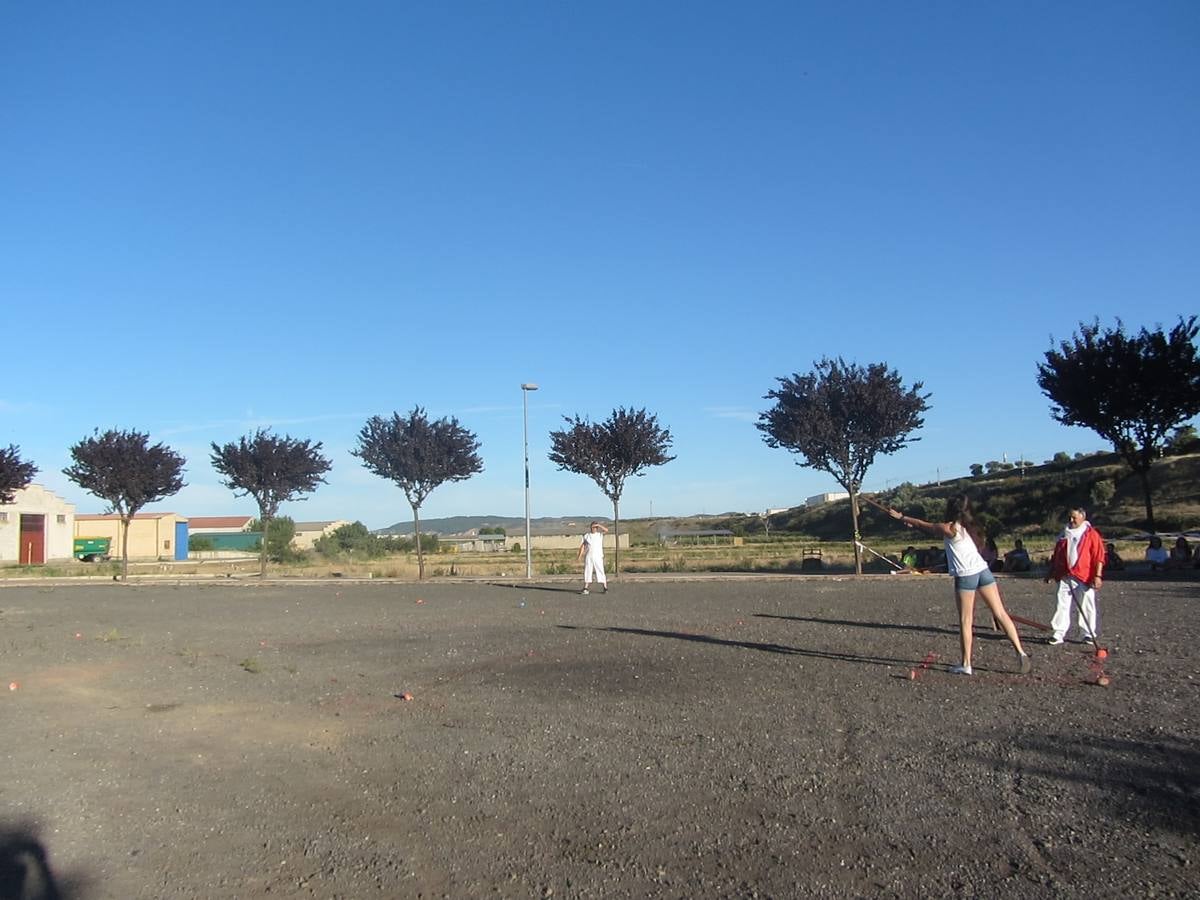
1155 778
891 626
749 645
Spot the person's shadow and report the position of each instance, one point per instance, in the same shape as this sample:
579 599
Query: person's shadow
25 868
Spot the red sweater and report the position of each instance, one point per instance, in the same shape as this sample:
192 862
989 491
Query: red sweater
1090 561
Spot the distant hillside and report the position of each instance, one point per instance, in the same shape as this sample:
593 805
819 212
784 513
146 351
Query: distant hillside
1014 503
1009 502
511 524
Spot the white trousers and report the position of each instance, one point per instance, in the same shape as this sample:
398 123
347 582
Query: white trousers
593 568
1085 599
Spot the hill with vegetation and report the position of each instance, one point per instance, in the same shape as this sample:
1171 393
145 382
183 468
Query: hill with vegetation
1014 502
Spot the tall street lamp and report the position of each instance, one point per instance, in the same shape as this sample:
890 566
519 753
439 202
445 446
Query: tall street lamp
525 389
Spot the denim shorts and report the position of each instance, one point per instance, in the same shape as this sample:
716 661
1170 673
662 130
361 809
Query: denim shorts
974 582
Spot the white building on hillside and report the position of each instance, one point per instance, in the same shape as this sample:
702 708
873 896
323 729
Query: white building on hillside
819 499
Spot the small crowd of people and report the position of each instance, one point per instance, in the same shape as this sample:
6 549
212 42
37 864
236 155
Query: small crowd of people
933 559
1180 556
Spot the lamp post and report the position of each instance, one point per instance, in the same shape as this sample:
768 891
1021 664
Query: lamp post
525 389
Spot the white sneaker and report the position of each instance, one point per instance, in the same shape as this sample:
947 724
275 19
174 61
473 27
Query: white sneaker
961 670
1026 663
585 591
1056 641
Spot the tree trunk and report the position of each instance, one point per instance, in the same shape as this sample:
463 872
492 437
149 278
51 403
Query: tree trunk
265 522
857 537
125 547
616 540
1144 476
417 538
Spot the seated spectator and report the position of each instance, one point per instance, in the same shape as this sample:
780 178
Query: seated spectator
908 558
991 554
1112 559
1017 559
1181 554
1156 554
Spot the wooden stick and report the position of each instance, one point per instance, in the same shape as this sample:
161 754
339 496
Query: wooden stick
875 503
1030 622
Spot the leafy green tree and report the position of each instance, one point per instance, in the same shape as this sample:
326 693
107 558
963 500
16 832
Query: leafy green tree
1129 389
976 469
357 540
280 532
1183 440
838 417
610 452
1102 493
418 455
15 473
273 470
126 471
200 542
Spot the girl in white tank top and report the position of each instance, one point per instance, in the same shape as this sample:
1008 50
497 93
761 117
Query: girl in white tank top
971 575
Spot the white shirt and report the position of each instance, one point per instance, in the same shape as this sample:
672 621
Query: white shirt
962 556
595 544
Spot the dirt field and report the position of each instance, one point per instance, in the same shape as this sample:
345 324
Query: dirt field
703 738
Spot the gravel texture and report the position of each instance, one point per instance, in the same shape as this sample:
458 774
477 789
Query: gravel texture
707 738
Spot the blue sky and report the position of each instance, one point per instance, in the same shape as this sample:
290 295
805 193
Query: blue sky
218 217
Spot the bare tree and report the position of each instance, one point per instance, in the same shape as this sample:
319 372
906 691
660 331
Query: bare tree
1132 390
418 455
838 417
610 452
15 473
127 472
273 470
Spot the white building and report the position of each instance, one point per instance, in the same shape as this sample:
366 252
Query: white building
819 499
36 528
308 533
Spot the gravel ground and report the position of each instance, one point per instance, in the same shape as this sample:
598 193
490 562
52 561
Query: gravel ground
710 738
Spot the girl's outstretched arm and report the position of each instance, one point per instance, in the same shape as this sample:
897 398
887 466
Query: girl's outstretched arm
940 529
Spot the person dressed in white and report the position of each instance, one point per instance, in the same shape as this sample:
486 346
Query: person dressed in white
591 551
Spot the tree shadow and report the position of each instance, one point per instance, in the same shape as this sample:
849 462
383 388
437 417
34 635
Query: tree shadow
562 589
887 626
25 872
750 645
1154 779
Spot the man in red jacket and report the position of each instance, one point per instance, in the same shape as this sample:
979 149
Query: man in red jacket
1078 567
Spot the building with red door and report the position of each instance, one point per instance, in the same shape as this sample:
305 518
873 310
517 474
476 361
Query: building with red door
36 528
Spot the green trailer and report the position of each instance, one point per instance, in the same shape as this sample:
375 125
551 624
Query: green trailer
92 549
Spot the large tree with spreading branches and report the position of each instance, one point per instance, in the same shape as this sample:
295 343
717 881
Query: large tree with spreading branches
15 473
127 472
418 454
839 417
1131 389
272 469
610 452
